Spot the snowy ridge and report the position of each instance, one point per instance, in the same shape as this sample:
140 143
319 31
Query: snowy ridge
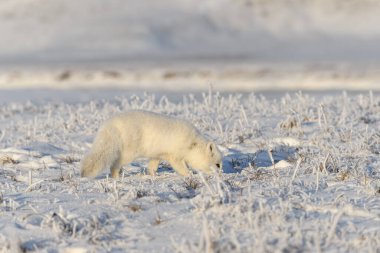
188 77
299 174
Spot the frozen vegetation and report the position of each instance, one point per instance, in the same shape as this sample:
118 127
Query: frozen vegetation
300 174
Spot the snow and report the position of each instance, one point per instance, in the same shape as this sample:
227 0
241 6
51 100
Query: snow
301 172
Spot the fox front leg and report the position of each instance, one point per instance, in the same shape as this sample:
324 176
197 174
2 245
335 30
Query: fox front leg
180 167
153 166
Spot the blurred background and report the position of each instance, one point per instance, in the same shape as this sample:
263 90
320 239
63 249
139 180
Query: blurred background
187 45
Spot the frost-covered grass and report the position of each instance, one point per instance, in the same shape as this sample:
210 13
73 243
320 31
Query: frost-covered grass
300 174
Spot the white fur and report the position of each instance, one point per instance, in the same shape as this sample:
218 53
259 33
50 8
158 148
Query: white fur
141 134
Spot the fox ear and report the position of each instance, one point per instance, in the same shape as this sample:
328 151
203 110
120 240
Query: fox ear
211 148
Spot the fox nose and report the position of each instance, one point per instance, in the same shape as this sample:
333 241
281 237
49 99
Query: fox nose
218 165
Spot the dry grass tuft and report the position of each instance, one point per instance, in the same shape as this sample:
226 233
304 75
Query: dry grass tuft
7 160
69 160
157 220
135 207
141 193
192 183
343 175
289 123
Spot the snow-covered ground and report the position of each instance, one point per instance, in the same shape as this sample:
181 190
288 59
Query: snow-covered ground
301 173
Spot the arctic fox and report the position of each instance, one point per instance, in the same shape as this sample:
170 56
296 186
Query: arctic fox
141 134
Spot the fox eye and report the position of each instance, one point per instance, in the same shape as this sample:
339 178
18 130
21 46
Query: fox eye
218 165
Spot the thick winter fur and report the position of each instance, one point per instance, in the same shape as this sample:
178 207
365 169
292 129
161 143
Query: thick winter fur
141 134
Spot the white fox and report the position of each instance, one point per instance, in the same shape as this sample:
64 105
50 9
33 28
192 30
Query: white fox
141 134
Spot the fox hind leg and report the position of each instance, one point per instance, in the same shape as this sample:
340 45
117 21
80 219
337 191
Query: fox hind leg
115 169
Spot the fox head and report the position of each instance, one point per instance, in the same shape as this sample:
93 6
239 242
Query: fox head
205 157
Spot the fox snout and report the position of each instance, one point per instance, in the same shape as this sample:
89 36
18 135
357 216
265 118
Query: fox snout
217 167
